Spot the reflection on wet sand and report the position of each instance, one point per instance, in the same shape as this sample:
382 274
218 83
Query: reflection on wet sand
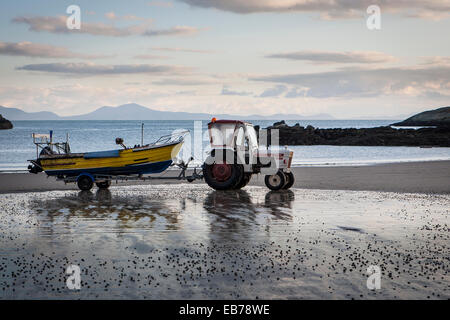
234 213
131 212
188 242
228 211
278 200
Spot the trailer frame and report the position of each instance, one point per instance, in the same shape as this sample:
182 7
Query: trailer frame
197 174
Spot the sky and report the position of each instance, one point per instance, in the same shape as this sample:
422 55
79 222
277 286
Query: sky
227 56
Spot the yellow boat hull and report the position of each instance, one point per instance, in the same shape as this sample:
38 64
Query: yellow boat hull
144 160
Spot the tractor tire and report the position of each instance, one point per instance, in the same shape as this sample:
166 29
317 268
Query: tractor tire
244 181
85 183
103 184
276 181
222 176
290 179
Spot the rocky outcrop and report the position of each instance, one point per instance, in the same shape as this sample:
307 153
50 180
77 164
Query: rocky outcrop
379 136
438 117
5 124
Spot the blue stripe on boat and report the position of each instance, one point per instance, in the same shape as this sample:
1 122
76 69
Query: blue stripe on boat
102 154
146 168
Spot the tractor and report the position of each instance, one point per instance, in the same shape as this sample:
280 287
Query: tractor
236 155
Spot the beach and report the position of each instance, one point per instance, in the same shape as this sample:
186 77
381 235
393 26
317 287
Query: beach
165 239
190 242
416 177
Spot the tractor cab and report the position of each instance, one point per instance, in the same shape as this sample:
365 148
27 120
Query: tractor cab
232 134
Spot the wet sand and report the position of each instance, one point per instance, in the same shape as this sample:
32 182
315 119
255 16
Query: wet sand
418 177
186 241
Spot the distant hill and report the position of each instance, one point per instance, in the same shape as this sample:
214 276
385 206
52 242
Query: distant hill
436 117
135 111
17 114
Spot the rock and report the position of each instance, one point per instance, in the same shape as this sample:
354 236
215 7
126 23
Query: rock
379 136
5 124
280 124
438 117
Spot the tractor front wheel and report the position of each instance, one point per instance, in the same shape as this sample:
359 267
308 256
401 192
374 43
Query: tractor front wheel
289 180
276 181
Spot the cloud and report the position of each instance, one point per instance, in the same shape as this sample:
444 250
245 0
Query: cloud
111 15
296 92
337 9
149 57
227 92
184 82
181 50
436 60
58 25
358 82
324 57
129 17
274 92
435 95
29 49
163 4
174 31
90 69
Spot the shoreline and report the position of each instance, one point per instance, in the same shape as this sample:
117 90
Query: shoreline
300 165
403 177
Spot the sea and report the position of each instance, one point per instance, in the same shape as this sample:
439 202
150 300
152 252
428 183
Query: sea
16 145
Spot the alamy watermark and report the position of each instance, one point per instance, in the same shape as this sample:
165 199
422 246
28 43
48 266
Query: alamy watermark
74 20
374 279
373 22
73 282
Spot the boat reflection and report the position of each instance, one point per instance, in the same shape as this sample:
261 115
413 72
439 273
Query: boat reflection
122 213
233 212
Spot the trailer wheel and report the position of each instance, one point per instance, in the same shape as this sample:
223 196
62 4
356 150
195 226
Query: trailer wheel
244 181
104 184
289 180
276 181
222 176
85 183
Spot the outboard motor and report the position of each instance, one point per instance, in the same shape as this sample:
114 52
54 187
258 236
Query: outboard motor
120 141
35 168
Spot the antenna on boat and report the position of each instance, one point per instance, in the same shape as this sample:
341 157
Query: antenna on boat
142 134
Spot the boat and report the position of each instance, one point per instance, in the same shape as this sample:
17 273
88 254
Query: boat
56 159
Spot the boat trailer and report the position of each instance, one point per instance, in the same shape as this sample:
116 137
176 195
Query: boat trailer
103 181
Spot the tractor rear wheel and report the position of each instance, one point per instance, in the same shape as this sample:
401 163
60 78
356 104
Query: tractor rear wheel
289 180
222 176
244 181
276 181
